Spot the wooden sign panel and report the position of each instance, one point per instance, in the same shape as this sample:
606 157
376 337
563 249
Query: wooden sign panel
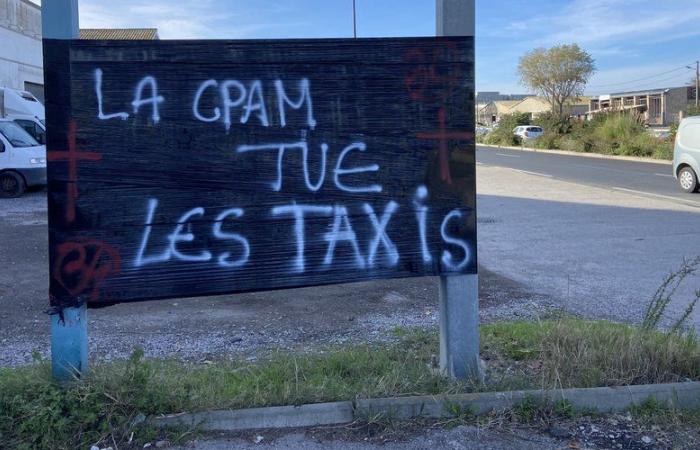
187 168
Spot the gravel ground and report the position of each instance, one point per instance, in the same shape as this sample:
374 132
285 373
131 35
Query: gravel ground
209 328
460 438
544 245
604 432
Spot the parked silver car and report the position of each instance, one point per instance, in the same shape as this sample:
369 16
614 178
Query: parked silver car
686 154
527 133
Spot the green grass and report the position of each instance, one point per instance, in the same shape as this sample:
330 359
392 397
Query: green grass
516 340
655 412
36 413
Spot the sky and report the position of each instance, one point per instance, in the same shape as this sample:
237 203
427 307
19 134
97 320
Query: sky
637 44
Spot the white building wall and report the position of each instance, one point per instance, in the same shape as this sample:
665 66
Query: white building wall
20 44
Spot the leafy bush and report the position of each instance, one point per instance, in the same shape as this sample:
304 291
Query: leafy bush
503 134
613 133
551 122
549 140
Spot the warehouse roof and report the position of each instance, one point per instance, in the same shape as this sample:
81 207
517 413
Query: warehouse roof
119 33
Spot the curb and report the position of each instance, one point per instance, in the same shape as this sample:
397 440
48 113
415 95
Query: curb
582 154
603 400
257 418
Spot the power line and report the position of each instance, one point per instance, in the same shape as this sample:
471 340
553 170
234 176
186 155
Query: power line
656 82
684 67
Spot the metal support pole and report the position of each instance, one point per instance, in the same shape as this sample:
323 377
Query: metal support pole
354 20
59 19
697 84
459 294
69 343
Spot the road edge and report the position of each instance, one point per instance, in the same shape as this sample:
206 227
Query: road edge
682 396
582 154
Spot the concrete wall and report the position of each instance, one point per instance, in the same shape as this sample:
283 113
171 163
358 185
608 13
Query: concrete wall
20 52
676 101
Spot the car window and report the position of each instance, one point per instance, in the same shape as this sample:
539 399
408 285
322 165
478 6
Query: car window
16 135
39 134
32 128
27 125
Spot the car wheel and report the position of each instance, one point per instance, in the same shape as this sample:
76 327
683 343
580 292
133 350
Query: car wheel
11 185
688 180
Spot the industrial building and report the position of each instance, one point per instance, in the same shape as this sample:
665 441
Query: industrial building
20 53
21 61
658 107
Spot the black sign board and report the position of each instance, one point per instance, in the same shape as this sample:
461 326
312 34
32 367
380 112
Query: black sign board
183 168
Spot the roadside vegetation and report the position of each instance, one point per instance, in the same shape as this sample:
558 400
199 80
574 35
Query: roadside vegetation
613 133
110 405
560 74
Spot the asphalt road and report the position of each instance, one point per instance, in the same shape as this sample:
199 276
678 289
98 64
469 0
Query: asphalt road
643 178
597 235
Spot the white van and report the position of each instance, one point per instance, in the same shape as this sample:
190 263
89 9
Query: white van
14 102
22 160
26 110
686 154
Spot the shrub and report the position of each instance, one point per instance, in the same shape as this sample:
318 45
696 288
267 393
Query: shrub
615 133
549 140
503 134
551 122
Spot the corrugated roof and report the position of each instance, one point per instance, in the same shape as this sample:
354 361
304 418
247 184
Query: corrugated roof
646 92
503 106
129 34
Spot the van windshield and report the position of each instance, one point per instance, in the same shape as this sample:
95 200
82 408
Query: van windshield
16 135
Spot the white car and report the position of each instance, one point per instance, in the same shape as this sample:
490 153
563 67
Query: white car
528 132
482 131
686 154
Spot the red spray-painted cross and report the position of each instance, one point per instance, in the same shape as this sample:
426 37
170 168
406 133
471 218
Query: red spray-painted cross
444 136
72 156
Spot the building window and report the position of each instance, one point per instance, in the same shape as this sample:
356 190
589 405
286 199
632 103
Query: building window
36 89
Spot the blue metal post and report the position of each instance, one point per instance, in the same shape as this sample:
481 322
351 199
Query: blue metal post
59 19
69 343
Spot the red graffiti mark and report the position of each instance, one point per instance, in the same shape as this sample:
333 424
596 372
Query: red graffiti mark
443 137
72 156
432 76
82 266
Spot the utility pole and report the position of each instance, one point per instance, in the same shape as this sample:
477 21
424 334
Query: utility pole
697 84
354 21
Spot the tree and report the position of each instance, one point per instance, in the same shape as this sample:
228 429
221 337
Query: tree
559 73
